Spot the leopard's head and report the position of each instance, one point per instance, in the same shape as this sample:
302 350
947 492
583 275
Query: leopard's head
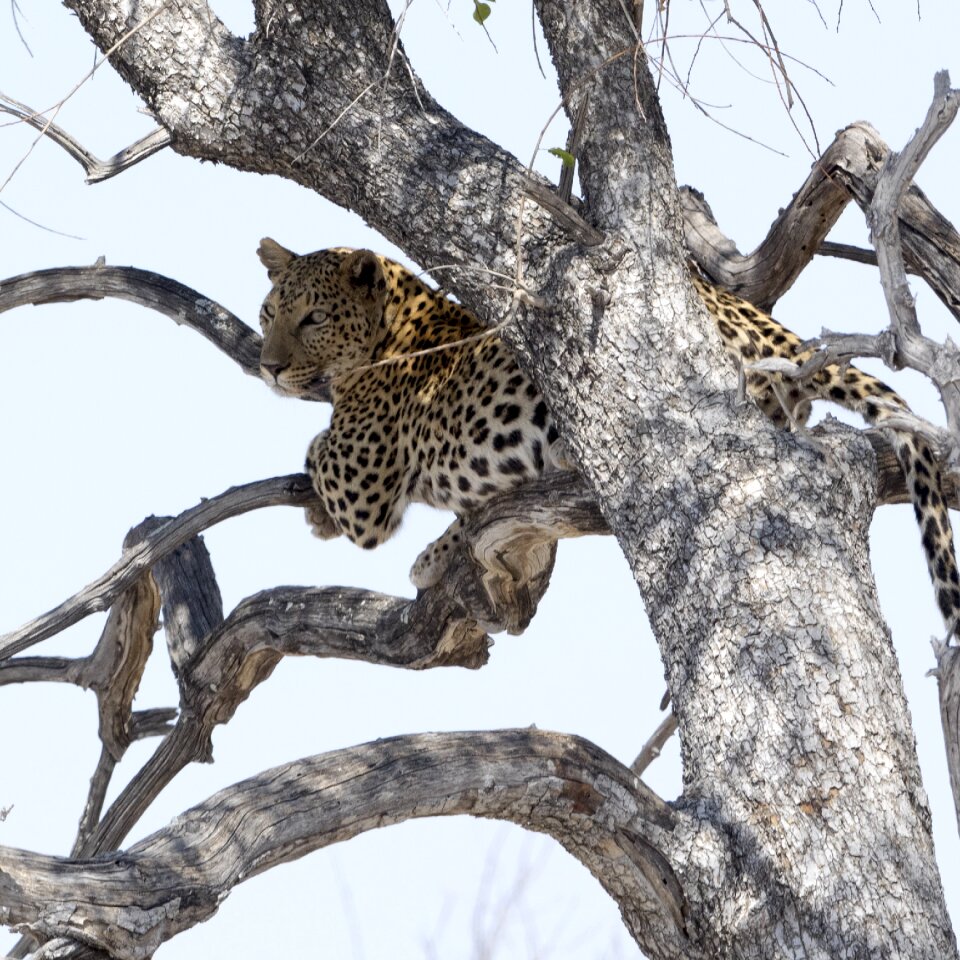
320 318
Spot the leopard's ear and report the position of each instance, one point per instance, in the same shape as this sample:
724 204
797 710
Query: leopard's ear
274 257
363 271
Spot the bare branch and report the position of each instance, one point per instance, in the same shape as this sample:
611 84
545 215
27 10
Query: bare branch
174 300
55 109
652 748
96 170
291 490
940 362
191 601
898 173
848 169
554 783
846 251
97 793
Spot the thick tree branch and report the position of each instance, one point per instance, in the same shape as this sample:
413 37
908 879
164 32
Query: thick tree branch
550 782
369 121
554 508
172 299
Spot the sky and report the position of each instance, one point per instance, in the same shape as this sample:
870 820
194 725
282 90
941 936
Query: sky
113 413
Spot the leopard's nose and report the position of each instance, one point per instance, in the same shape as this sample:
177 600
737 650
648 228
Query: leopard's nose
272 371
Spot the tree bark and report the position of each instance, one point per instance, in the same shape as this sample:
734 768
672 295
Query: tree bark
802 827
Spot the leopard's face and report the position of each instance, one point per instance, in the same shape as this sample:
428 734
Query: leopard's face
319 319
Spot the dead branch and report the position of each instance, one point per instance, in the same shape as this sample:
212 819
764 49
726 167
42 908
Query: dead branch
848 169
940 362
127 905
174 300
99 595
898 173
96 170
652 748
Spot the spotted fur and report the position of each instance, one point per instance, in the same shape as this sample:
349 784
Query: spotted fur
748 335
455 426
449 427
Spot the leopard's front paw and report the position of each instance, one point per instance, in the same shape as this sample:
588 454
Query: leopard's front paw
320 522
432 564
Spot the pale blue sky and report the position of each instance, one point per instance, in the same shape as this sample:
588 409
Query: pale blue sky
114 413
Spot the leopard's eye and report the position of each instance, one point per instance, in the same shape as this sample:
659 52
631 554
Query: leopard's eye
312 319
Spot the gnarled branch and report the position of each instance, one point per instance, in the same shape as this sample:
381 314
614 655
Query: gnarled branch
127 905
848 170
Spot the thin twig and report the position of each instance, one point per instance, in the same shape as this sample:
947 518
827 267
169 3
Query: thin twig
15 14
97 64
96 170
34 223
653 747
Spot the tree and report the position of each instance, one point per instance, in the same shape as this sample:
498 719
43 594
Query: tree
782 692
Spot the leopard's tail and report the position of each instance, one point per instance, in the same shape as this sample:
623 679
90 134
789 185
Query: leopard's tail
876 403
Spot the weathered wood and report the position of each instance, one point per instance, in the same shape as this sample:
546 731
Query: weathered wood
100 594
849 169
939 362
128 904
147 289
96 170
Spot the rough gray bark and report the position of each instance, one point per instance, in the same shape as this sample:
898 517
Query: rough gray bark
802 826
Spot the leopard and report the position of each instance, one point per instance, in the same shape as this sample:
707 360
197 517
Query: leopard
430 406
427 406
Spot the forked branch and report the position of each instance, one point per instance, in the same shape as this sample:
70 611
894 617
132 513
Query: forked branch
849 169
96 170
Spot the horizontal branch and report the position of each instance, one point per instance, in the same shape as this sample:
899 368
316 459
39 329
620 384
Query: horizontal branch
555 507
174 300
131 903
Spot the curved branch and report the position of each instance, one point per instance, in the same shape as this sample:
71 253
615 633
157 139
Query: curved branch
550 782
433 630
174 300
849 169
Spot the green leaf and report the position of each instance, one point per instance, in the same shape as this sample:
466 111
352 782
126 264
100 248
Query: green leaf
568 158
480 11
